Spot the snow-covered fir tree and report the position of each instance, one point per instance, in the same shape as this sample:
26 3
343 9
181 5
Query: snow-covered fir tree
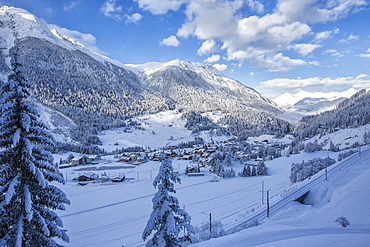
27 199
261 168
169 223
254 170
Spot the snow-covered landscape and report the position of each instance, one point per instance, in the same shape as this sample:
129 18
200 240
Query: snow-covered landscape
115 214
136 150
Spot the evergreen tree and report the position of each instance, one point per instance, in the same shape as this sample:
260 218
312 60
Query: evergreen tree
254 170
167 219
246 171
27 200
228 160
218 168
261 168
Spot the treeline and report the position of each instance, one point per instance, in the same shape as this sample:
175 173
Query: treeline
352 112
303 170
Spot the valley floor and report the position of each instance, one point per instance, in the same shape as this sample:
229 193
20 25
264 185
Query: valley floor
115 214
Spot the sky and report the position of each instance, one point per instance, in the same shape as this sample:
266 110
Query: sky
272 46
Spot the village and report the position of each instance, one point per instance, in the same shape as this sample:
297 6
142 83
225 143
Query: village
201 158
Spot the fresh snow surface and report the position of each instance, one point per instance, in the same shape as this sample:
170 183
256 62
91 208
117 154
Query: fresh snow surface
160 130
344 138
115 214
345 194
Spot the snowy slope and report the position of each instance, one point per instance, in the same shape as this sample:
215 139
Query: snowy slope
19 24
345 194
116 214
90 88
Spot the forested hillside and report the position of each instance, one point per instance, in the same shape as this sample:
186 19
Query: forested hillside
98 93
351 112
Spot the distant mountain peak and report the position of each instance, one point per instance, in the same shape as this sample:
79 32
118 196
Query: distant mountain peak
99 93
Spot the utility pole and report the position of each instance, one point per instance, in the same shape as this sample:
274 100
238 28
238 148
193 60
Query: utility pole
210 225
326 167
263 191
268 204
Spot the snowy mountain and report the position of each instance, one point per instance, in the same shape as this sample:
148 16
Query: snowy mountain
99 93
311 102
352 112
187 83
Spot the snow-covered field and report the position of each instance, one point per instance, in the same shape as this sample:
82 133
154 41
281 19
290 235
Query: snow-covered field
160 129
115 214
346 193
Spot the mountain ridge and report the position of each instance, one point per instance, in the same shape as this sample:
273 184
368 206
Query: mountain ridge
99 93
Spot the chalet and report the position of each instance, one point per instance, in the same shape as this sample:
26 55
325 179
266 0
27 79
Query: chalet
119 178
93 159
157 157
195 174
78 161
192 169
88 176
141 158
125 159
186 157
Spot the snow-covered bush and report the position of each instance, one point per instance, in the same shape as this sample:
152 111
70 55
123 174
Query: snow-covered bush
246 172
227 173
261 169
345 154
301 171
342 221
206 231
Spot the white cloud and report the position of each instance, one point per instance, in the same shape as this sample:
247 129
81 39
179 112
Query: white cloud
170 41
160 7
262 39
305 49
133 18
350 38
210 19
333 53
311 11
212 59
110 9
207 47
361 76
70 6
323 35
367 55
279 62
253 38
361 81
220 67
256 6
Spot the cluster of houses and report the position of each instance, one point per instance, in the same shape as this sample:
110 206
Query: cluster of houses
201 154
82 160
87 177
